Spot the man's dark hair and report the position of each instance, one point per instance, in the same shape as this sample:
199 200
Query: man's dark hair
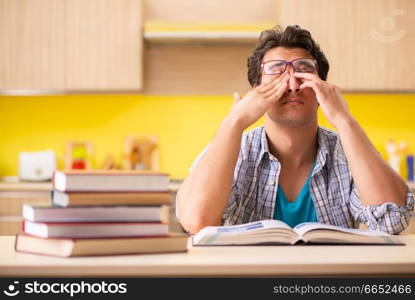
292 37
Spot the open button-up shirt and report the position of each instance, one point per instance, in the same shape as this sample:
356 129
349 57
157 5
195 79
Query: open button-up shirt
255 184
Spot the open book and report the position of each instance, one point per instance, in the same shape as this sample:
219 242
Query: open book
277 232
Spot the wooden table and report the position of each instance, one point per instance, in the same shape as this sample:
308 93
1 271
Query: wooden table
221 261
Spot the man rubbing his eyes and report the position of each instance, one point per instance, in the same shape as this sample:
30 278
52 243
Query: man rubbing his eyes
291 169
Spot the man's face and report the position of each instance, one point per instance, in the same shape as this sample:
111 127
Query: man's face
297 107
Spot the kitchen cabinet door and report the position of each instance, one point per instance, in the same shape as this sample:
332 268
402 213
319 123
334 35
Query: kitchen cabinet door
104 45
31 45
70 45
368 42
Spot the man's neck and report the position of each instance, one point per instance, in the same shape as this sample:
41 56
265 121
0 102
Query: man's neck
293 146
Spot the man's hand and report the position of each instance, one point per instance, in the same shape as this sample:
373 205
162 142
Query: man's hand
333 105
258 100
376 182
203 196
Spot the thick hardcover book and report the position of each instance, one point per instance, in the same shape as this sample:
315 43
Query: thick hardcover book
49 213
110 198
277 232
64 247
94 230
113 180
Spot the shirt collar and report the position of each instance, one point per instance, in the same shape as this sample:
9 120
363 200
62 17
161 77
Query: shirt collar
264 143
322 151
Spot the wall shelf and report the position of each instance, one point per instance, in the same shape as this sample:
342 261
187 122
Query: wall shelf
187 32
200 36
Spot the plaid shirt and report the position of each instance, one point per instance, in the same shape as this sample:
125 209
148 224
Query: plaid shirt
255 184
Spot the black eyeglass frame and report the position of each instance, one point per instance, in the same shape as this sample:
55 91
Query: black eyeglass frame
287 63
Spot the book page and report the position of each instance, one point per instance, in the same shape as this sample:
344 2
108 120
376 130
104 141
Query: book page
303 228
253 226
210 234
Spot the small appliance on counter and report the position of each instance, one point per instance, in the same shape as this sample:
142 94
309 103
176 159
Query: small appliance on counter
37 166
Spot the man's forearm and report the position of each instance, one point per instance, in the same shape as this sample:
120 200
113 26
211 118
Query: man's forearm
204 194
376 182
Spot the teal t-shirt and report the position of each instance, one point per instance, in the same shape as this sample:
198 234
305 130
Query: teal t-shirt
299 211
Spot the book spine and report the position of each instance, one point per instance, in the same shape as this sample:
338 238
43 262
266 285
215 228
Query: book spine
53 178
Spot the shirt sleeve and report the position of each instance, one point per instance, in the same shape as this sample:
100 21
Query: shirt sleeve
387 217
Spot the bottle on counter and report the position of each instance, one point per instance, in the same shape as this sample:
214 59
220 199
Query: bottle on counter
410 167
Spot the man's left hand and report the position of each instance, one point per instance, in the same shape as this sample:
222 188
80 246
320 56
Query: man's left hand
328 95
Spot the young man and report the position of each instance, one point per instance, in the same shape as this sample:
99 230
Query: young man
291 169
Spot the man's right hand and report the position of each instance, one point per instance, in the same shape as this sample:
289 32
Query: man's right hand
258 100
203 196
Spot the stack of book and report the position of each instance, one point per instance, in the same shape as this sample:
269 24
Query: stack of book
102 213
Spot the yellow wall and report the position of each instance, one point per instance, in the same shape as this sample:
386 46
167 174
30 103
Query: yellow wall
183 124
